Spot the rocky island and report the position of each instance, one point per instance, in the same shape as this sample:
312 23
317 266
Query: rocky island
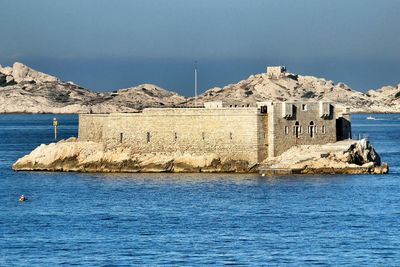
25 90
345 157
269 137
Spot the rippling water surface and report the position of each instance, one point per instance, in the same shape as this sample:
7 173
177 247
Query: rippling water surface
196 219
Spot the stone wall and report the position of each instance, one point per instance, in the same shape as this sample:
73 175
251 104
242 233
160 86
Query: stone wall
263 137
225 132
249 133
283 133
91 127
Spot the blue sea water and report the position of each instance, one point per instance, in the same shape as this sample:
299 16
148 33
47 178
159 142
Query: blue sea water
196 219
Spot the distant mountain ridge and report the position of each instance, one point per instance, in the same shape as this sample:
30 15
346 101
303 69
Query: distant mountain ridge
293 87
25 90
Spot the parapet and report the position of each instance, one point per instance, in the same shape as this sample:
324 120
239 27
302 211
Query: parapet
221 104
214 104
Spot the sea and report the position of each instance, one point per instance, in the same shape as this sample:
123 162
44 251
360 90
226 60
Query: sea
95 219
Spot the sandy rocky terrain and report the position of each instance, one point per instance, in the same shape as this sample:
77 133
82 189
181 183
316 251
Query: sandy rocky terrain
24 90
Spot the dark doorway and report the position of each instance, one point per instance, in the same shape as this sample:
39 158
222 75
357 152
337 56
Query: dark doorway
311 129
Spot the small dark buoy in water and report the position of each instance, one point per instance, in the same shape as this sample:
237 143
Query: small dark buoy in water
22 198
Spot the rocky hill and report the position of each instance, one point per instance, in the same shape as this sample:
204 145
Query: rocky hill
146 95
292 87
23 89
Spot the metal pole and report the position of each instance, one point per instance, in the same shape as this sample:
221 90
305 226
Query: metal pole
55 124
195 84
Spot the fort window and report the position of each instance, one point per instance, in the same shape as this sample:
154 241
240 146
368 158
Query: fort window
148 137
304 107
203 136
264 109
296 129
323 129
248 105
235 106
230 135
121 137
311 129
175 136
286 129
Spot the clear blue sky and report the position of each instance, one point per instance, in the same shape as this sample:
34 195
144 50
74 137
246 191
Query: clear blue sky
105 45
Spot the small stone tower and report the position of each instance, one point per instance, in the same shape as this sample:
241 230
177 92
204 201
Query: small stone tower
276 72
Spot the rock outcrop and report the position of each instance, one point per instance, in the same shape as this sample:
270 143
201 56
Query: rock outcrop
344 157
72 155
147 95
54 97
24 90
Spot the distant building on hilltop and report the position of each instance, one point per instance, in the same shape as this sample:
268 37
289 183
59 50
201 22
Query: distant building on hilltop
276 72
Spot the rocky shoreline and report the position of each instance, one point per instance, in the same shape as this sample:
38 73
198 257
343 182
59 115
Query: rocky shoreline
344 157
71 155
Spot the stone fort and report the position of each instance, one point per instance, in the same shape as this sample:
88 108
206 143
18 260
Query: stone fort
251 132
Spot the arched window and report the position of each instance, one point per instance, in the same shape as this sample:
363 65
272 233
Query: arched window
311 129
296 129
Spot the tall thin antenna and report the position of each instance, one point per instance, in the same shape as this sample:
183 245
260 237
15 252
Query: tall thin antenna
195 83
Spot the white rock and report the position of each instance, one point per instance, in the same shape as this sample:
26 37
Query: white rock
7 70
22 73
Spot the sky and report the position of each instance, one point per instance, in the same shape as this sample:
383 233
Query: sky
105 45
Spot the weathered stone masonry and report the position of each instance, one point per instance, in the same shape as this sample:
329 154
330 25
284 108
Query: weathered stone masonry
240 132
225 132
